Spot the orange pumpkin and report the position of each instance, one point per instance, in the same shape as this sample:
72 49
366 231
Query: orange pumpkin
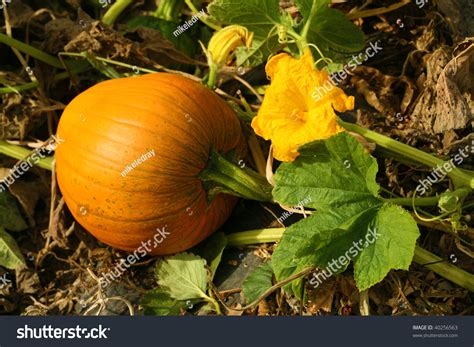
121 193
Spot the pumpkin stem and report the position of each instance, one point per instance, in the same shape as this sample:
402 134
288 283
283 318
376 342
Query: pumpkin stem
236 180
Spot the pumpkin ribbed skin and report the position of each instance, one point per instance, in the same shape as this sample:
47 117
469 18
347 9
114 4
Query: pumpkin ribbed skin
115 122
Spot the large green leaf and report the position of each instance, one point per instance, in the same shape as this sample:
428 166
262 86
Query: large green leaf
258 282
328 173
330 30
316 240
393 249
337 177
10 254
258 16
305 6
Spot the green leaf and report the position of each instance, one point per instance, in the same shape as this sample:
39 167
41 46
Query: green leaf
183 276
352 223
393 249
211 249
10 254
10 216
305 6
324 236
156 302
258 282
331 31
328 173
259 17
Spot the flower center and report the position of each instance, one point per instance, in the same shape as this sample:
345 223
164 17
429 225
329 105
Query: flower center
299 115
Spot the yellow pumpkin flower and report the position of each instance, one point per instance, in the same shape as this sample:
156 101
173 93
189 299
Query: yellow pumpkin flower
291 113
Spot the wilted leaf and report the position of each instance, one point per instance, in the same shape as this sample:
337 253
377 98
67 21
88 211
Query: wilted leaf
10 216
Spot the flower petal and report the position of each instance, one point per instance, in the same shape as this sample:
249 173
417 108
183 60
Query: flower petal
291 115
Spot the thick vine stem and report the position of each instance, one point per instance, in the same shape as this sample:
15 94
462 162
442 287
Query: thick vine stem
211 81
459 177
300 40
115 10
251 237
242 182
169 10
422 256
426 201
304 32
444 268
21 153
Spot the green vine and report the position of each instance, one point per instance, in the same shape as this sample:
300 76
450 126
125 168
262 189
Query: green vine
422 256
